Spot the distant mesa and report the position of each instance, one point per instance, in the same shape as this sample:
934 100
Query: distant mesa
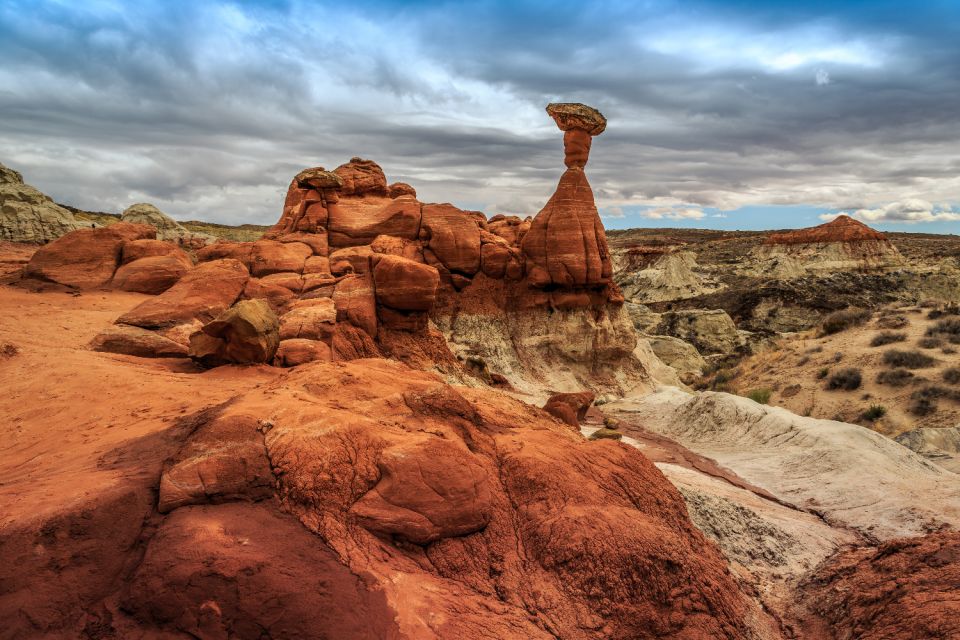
843 228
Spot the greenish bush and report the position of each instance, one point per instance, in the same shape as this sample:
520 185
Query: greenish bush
760 396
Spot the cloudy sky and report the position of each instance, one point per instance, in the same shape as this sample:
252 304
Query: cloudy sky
721 114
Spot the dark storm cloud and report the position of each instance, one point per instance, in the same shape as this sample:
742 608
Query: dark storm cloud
208 108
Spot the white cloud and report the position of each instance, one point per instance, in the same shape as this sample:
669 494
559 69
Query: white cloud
612 212
822 77
910 210
674 213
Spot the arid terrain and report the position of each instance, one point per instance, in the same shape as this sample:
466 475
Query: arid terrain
387 418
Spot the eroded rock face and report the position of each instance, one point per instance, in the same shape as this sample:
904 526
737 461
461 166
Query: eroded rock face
906 588
27 215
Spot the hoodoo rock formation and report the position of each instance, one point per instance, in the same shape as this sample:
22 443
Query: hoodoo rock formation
566 245
356 267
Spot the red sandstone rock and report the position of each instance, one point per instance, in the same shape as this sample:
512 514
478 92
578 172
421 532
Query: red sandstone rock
498 259
356 303
566 245
134 341
291 281
361 178
247 333
312 322
840 229
405 285
269 256
237 570
85 258
224 460
453 237
352 343
316 264
570 407
299 351
392 245
276 296
316 241
358 222
153 274
357 257
136 249
575 116
203 293
512 229
907 588
398 189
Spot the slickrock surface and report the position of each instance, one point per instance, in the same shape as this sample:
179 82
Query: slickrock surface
419 510
27 215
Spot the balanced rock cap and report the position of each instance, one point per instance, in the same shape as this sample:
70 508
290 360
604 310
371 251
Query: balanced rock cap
573 115
319 178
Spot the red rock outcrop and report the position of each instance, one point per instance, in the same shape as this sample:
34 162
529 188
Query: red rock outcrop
202 294
86 258
906 588
570 407
362 178
152 274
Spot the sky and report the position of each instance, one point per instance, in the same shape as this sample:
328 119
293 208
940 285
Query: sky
728 115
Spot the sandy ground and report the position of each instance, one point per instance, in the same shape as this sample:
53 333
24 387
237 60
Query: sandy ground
78 421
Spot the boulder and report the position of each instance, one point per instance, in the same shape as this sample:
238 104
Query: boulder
453 236
27 215
498 259
361 178
86 258
305 207
276 296
680 355
134 341
247 333
570 407
299 351
316 241
153 274
203 293
405 285
392 245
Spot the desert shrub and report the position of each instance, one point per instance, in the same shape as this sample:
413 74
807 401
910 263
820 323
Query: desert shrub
887 337
949 310
895 321
922 406
948 328
929 343
823 373
760 396
895 377
838 356
951 375
816 349
907 359
948 351
875 412
846 379
842 320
